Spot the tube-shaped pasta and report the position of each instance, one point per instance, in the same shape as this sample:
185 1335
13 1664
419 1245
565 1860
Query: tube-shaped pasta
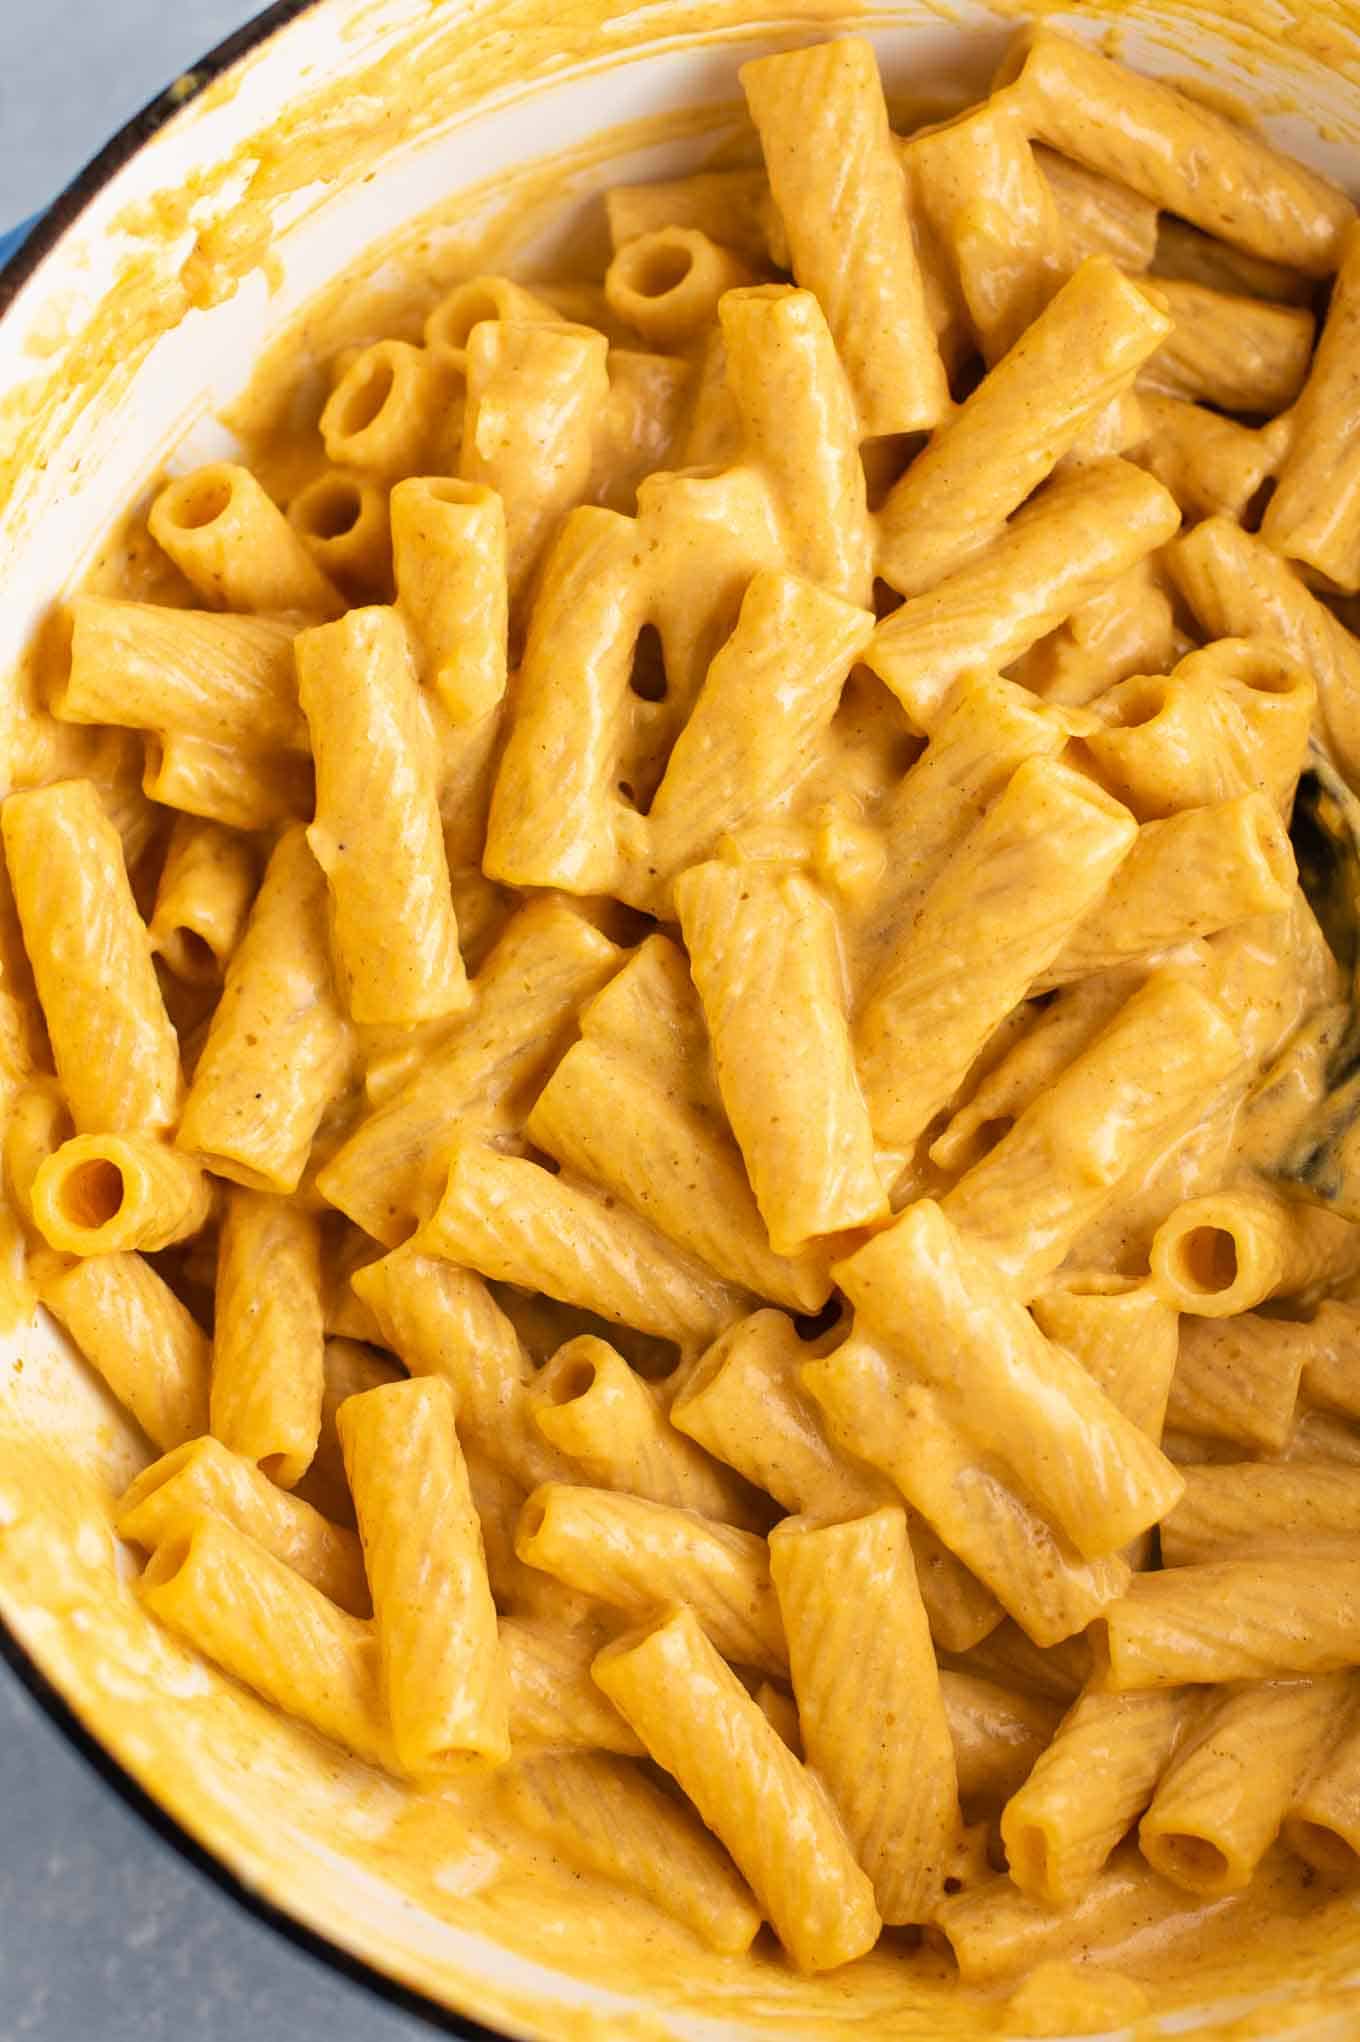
36 1126
728 205
781 1712
1056 1672
997 1734
130 1326
1213 466
650 1013
798 422
943 1304
1050 1039
1330 1377
604 1814
609 1121
706 536
1238 353
1194 257
1080 534
443 1321
650 404
442 1672
227 783
377 835
344 1249
555 807
976 191
1282 1606
837 184
268 1339
1238 588
1221 1801
1319 1436
869 1705
204 1475
743 1400
764 955
1115 1107
601 1414
448 541
348 1369
998 1932
342 520
392 413
666 284
235 546
534 394
1082 351
1089 1788
1123 1334
750 739
519 1590
1323 1823
1224 1507
1314 515
101 1194
1128 627
227 680
1189 159
554 1703
712 429
278 1017
91 961
1190 875
1238 1377
262 1623
1230 1250
988 732
1232 719
484 1072
1100 215
636 1555
700 1725
449 325
875 1411
1006 904
518 1223
206 886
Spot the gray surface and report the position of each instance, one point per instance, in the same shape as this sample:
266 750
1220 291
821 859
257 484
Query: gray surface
106 1934
74 70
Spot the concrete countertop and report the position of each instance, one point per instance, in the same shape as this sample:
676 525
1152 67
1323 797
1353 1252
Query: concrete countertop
107 1934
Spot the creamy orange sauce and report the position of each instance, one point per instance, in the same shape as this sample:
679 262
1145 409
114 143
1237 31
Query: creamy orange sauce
311 1827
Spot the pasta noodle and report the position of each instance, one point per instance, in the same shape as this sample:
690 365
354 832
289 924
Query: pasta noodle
676 1020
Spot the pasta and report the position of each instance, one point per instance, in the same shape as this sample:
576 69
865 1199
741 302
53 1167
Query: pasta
268 1336
699 1724
606 1815
634 1554
203 1475
436 1623
860 1655
869 284
678 1026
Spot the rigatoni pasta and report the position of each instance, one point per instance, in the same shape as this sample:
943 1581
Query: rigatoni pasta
699 1724
695 973
436 1623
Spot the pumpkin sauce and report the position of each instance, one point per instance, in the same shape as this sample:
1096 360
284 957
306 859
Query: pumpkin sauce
439 1888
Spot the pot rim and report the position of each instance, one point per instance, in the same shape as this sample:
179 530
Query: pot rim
69 203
